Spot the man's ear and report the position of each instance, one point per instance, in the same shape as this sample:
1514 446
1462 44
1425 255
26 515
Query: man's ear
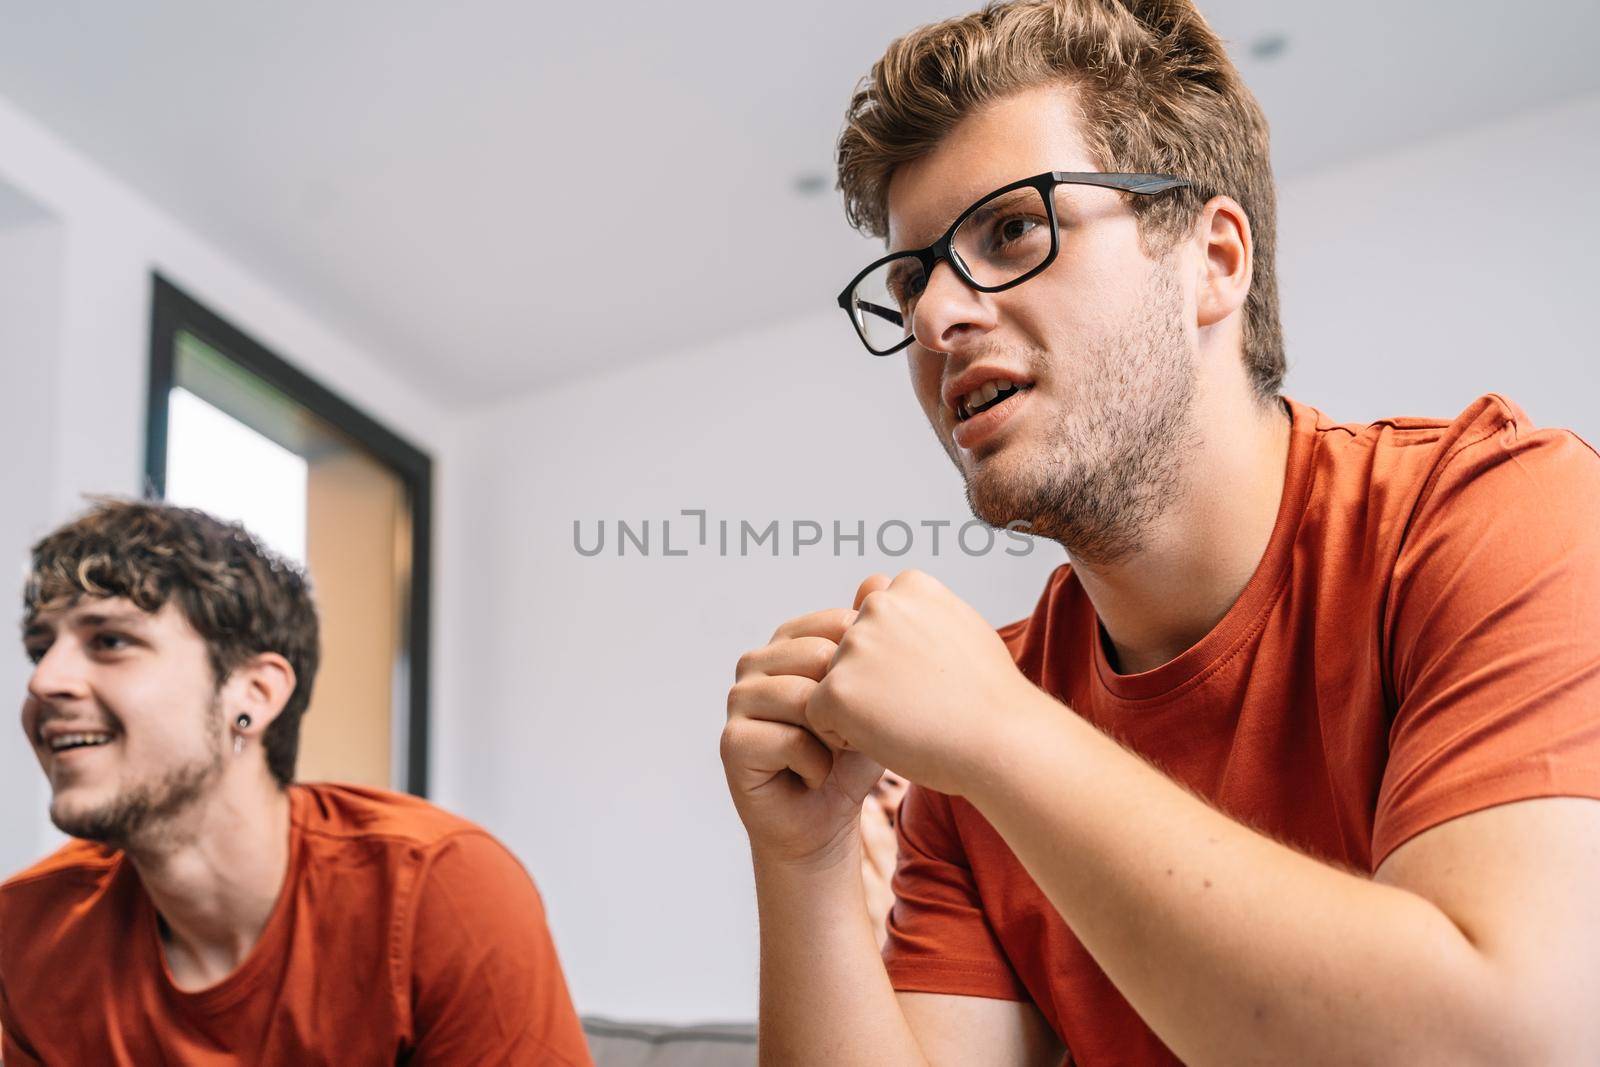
259 687
1223 234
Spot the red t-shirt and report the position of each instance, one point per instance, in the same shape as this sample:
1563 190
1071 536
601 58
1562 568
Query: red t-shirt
1420 640
402 934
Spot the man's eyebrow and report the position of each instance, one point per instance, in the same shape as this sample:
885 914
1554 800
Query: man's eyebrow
926 236
127 617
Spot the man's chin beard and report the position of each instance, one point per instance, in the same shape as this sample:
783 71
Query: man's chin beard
1096 483
1101 516
141 813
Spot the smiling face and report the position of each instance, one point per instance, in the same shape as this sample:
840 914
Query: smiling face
124 715
1091 448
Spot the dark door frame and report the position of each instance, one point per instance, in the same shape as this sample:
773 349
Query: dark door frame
173 312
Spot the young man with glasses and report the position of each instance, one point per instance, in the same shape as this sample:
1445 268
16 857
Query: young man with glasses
1297 761
212 910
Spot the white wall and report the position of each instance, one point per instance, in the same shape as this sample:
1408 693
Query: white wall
597 685
594 687
75 266
1415 281
30 283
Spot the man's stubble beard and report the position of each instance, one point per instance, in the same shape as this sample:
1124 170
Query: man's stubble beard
1116 458
139 814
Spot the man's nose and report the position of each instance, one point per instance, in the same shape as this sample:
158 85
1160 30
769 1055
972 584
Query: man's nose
949 310
59 674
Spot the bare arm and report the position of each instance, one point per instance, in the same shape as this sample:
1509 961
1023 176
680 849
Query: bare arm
958 1030
826 997
825 994
1474 943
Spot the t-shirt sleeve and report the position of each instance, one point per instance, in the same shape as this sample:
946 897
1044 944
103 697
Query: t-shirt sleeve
1494 634
939 938
486 985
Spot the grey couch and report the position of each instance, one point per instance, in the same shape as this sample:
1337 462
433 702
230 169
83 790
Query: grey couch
623 1044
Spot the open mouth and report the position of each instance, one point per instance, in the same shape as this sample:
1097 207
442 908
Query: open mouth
986 396
90 739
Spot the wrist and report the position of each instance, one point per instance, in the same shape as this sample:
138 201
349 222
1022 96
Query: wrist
840 855
1030 724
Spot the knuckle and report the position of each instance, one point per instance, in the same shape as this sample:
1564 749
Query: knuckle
842 686
792 741
821 651
822 697
787 628
746 664
912 577
736 697
728 745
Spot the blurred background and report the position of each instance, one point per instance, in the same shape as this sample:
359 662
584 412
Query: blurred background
432 296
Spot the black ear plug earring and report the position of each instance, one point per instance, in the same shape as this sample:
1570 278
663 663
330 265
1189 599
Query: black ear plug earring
242 723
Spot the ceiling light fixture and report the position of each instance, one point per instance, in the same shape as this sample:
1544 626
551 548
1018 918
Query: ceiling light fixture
1269 46
810 183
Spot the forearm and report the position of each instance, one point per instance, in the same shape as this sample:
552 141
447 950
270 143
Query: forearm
1234 948
825 995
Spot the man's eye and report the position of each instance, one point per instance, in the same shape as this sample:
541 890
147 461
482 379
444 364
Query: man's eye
908 286
107 642
35 653
1014 229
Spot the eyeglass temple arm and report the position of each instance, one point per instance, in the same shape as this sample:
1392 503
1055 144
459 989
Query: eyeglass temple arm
882 312
1130 183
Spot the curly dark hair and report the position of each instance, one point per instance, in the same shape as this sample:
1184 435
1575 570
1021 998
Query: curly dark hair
242 598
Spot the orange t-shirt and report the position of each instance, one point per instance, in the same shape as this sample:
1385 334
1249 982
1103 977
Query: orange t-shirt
402 934
1420 640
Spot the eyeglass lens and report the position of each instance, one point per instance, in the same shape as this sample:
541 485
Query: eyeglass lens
1003 238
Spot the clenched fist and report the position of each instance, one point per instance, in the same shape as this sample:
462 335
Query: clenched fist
800 800
911 678
922 684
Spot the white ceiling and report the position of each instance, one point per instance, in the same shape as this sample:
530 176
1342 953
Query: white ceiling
501 196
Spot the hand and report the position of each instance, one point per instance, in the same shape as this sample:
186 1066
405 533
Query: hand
800 801
920 683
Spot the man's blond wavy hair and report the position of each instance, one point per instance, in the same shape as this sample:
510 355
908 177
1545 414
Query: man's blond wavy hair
1157 93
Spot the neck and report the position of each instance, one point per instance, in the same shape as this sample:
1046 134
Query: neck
1198 556
215 874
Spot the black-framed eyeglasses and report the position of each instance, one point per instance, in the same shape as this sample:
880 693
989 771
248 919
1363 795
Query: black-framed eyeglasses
1002 240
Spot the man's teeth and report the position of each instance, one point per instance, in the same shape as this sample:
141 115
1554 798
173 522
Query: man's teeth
985 395
66 741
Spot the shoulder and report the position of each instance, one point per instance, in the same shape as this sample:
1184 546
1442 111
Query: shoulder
1492 465
1492 425
350 812
63 897
445 850
75 870
1494 431
1378 481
